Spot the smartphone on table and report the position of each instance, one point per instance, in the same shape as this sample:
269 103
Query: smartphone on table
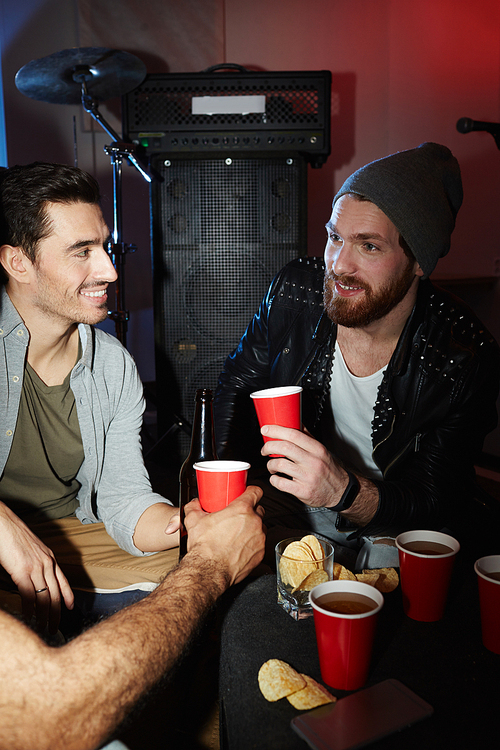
362 717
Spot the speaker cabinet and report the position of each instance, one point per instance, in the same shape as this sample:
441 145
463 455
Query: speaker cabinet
222 227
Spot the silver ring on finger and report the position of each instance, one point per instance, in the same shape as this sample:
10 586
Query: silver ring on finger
39 591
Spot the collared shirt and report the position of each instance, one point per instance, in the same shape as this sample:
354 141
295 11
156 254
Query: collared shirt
115 487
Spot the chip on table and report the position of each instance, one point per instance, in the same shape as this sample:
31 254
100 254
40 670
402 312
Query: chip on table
388 579
311 696
277 680
383 579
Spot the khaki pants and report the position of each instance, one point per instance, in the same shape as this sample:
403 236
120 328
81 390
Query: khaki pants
92 561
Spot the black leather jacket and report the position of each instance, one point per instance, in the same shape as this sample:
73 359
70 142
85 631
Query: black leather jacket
435 405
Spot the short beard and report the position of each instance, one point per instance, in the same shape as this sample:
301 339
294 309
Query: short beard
345 311
60 307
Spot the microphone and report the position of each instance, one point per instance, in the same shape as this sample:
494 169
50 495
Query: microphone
466 125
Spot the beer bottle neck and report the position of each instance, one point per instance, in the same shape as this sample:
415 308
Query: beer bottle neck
203 437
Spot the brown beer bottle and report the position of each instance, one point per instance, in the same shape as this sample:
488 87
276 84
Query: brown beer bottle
202 449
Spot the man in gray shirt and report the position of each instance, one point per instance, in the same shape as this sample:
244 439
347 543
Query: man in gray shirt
72 403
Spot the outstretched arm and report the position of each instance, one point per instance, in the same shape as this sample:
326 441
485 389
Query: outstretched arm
76 695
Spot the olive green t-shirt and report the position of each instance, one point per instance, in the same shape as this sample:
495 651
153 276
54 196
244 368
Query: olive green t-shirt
39 481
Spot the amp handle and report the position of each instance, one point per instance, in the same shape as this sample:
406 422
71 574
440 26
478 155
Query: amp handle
223 66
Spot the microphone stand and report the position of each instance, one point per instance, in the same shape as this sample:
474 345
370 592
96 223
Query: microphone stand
466 125
117 249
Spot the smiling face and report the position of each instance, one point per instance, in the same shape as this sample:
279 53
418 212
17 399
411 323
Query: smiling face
73 269
368 274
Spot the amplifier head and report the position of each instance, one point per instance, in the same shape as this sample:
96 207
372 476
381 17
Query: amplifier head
238 111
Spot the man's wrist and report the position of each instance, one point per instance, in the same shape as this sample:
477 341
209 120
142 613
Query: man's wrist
350 493
211 568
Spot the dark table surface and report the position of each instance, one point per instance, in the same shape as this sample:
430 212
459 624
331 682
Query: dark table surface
444 663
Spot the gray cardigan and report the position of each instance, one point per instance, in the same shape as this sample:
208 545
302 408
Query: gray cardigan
115 486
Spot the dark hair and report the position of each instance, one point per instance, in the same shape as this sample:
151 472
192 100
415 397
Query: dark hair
25 191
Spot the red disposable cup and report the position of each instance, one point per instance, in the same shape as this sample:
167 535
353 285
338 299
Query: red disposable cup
425 578
220 482
489 601
345 641
281 405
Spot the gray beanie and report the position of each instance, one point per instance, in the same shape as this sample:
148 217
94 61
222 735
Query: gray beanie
420 191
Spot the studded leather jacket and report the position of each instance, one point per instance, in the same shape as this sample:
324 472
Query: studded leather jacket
435 405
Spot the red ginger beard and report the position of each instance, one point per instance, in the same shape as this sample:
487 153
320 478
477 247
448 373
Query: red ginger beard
357 313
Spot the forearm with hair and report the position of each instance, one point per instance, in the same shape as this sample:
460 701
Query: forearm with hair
76 695
365 506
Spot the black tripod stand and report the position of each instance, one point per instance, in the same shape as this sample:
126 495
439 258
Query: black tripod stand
117 249
88 75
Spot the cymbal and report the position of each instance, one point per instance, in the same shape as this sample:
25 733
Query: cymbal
57 78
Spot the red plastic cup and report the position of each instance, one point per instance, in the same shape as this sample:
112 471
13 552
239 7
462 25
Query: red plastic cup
281 405
345 641
425 577
220 482
489 600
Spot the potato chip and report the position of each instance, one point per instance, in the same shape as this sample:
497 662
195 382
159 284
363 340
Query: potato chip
312 580
297 562
310 696
299 551
368 576
293 572
283 571
342 574
277 679
388 579
336 571
315 545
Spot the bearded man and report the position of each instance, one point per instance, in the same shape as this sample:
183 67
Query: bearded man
399 378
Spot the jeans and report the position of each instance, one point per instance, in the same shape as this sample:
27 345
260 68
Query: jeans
285 516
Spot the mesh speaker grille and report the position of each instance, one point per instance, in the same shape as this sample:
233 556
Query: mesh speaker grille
158 107
222 228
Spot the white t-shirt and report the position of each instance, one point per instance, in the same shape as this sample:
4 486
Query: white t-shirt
353 403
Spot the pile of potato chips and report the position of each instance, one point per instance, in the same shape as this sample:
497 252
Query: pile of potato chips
277 680
384 579
301 565
302 568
